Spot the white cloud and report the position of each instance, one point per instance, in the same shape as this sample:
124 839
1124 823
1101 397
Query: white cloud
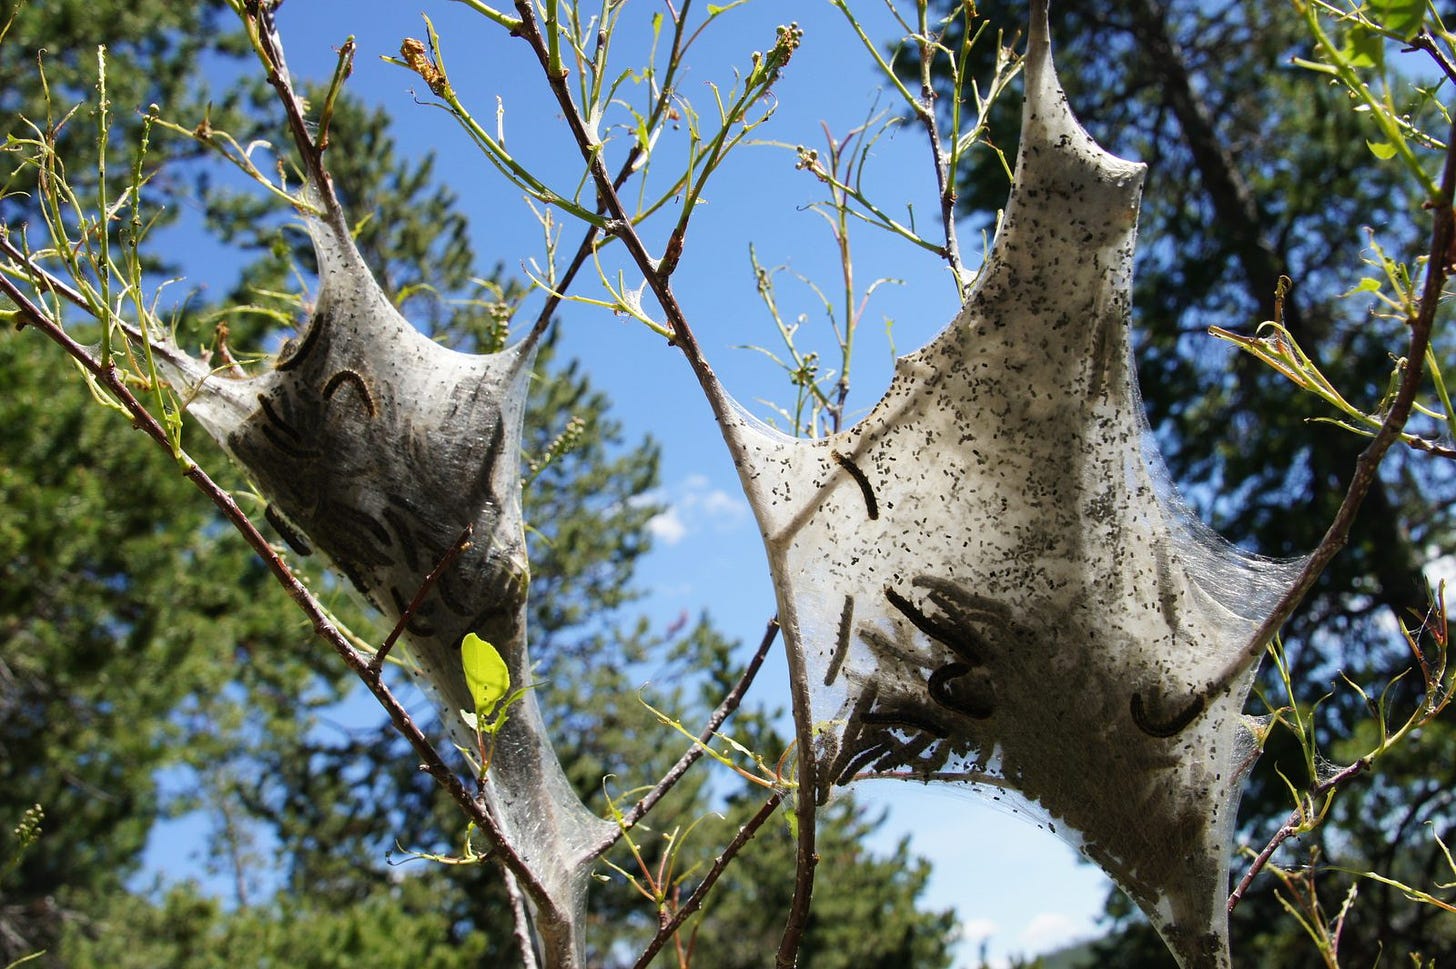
974 945
720 504
667 526
1048 931
693 507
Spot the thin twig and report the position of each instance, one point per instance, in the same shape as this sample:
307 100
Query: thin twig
629 165
944 178
41 275
725 709
264 28
720 864
1426 42
451 554
620 223
806 857
521 918
1430 447
1293 825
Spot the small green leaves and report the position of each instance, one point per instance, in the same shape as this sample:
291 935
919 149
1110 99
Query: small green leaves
486 675
1364 48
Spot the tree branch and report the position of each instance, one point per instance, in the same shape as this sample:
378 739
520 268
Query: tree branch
521 920
944 177
451 554
589 239
1293 825
720 864
725 709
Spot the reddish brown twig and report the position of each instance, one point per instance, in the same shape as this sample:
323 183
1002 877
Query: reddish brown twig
725 709
1293 825
451 554
720 864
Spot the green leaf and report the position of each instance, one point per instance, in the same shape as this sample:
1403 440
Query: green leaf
1383 150
1364 48
1401 17
485 673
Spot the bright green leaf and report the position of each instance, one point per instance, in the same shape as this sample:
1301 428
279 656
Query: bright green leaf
1383 150
1401 17
1364 48
485 673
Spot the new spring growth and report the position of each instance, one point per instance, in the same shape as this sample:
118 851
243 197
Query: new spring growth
809 162
766 69
488 678
565 442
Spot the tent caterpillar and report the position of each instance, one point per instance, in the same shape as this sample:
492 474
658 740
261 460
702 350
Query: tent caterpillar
1167 728
841 641
291 448
289 534
351 377
275 420
975 707
872 506
292 352
958 641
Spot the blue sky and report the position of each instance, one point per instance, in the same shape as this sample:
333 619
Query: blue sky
1013 885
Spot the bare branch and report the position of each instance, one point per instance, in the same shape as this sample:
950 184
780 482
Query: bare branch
461 544
944 178
720 864
725 709
521 919
1293 825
